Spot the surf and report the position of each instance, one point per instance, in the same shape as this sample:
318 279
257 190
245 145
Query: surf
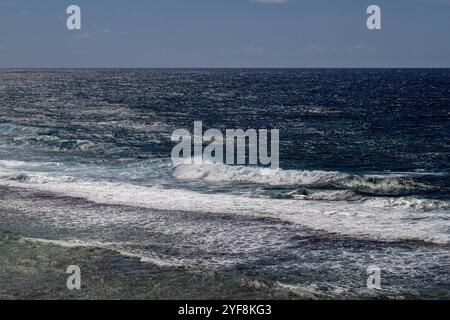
385 222
367 184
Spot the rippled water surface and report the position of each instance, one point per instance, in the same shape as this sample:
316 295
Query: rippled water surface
364 178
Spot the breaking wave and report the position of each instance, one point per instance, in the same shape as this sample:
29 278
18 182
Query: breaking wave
376 185
380 218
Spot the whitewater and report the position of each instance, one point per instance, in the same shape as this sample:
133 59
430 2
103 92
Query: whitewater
334 211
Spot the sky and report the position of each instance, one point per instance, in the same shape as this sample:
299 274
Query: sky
224 33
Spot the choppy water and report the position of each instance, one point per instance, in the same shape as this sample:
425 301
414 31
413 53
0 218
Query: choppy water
364 178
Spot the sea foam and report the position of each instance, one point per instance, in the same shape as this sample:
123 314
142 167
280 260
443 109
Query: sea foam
345 218
381 185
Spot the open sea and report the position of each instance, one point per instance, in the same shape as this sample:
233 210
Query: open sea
364 176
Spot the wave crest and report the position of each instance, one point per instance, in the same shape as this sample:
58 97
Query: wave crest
380 185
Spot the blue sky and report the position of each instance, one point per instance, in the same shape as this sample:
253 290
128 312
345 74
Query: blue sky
225 33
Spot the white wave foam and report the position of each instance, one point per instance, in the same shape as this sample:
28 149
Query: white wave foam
409 202
15 165
383 185
273 177
378 218
67 243
328 195
358 219
311 291
144 257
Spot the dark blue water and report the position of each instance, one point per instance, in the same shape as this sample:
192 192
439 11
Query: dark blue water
364 178
329 119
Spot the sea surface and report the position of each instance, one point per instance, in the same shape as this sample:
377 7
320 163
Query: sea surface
364 176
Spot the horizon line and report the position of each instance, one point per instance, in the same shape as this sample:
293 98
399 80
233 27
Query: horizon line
193 67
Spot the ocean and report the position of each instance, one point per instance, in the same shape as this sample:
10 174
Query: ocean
364 177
